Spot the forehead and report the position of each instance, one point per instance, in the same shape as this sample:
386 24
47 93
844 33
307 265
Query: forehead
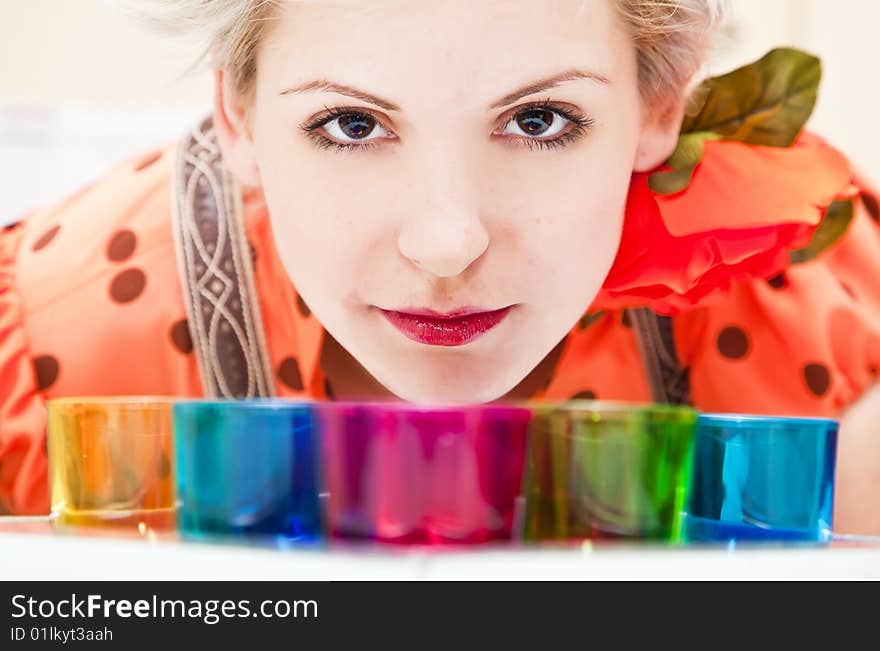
457 46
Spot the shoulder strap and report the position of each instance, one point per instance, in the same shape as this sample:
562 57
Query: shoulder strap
216 272
668 379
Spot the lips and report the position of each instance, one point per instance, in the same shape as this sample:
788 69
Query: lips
452 329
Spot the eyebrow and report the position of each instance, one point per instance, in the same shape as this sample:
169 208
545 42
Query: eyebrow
323 85
550 82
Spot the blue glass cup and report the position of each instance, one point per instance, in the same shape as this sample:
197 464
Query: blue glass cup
762 478
248 468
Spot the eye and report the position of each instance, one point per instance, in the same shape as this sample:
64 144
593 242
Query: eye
536 122
353 128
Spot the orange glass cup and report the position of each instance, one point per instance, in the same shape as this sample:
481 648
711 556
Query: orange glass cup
111 462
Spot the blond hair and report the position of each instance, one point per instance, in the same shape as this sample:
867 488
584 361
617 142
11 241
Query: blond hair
671 36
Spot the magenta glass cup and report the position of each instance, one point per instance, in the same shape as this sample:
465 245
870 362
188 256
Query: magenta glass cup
422 475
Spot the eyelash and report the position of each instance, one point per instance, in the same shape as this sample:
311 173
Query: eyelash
580 126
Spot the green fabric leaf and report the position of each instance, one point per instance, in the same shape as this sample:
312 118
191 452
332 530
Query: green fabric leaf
689 150
673 181
834 224
765 103
684 160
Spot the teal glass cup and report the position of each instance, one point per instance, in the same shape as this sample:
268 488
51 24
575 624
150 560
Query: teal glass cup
248 468
762 478
608 471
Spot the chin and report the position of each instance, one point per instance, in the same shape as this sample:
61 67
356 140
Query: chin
480 372
445 395
428 387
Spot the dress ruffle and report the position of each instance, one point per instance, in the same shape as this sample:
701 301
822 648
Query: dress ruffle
746 208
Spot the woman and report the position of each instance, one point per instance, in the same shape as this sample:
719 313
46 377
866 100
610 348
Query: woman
458 201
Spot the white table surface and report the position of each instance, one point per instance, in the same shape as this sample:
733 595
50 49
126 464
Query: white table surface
32 551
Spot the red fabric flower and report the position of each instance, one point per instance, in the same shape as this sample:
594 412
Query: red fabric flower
745 209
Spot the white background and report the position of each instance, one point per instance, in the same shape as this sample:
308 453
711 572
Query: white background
33 556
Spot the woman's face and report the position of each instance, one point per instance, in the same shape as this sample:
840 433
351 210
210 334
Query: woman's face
446 180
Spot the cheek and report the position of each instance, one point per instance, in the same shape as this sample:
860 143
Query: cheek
566 218
327 215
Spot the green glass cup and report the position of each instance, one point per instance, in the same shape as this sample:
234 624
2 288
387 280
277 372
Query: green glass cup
608 471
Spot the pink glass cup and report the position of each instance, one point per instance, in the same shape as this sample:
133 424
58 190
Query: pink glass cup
423 475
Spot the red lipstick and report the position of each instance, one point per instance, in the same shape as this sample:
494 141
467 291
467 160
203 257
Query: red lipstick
450 329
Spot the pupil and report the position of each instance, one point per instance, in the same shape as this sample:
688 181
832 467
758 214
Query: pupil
535 121
356 126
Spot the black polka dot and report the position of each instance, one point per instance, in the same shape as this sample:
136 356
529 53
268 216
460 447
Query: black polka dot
289 374
848 290
46 369
778 281
180 337
164 467
121 245
818 379
128 285
584 395
590 318
253 251
871 205
44 239
627 321
733 343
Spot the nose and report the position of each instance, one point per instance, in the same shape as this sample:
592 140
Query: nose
447 235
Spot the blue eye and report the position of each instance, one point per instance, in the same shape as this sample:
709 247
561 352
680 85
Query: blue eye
354 127
537 122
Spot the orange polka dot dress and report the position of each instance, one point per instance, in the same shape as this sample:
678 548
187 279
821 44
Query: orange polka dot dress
92 302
